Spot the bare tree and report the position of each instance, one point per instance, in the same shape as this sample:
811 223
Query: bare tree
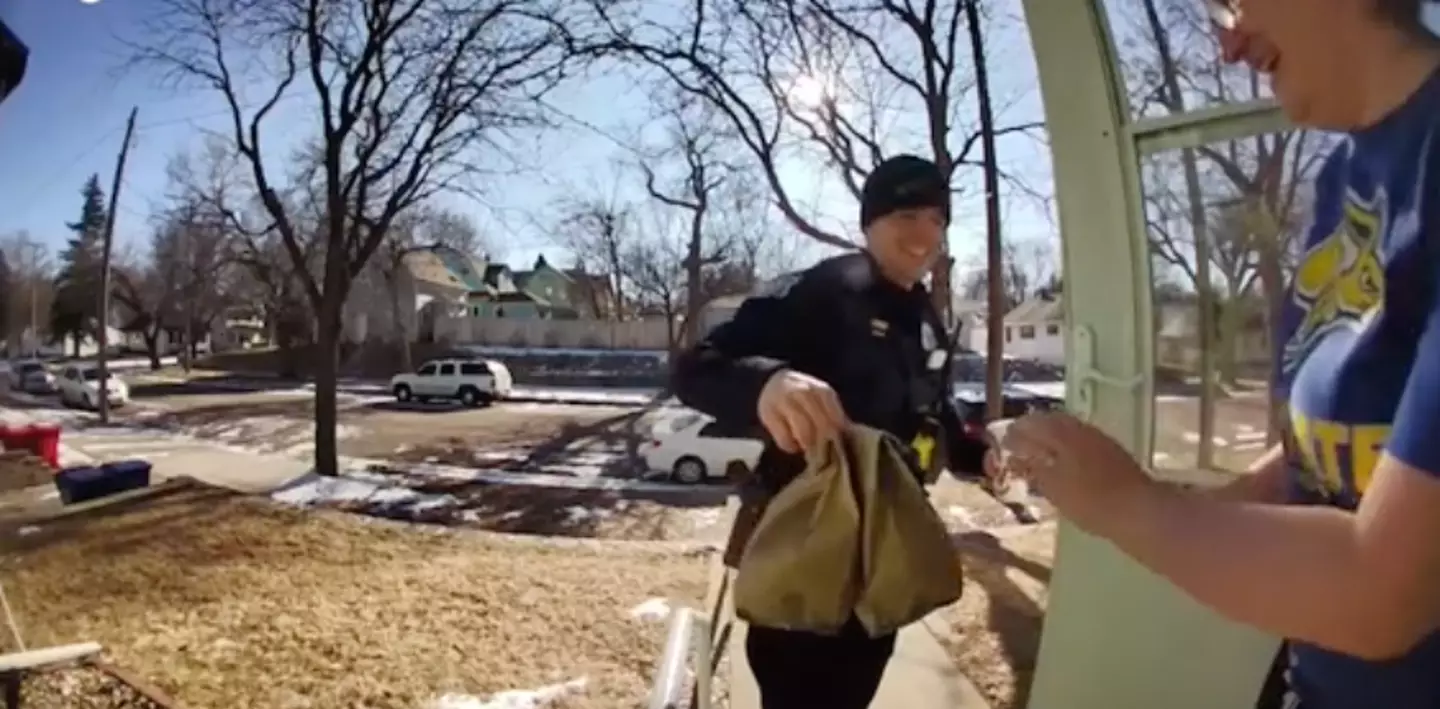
656 268
148 287
402 94
1026 268
29 289
795 78
599 231
1178 69
695 191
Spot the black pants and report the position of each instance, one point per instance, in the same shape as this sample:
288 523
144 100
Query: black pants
797 670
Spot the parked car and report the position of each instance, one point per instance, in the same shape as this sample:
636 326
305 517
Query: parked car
470 381
79 385
970 404
692 448
31 376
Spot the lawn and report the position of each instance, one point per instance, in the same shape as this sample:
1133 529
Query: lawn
225 601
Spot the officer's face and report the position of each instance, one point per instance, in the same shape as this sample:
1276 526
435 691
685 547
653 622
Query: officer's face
906 242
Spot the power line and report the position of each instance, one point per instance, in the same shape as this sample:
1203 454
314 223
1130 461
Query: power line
31 198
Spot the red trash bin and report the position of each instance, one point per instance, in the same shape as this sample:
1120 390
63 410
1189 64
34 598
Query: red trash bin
46 439
15 438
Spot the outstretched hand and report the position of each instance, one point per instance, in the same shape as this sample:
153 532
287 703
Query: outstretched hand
1085 473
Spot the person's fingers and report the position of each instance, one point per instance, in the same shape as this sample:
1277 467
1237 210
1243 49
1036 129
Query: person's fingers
1033 441
834 408
820 414
779 429
797 419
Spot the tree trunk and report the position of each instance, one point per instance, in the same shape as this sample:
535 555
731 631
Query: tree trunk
994 244
1227 339
397 314
327 375
152 348
1205 451
1272 282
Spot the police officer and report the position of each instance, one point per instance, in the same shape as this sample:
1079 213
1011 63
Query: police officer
854 338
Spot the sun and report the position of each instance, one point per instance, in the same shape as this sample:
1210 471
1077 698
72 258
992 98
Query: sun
809 92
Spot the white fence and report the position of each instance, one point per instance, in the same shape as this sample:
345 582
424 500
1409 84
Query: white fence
574 334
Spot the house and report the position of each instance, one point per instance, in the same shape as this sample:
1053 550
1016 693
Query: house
569 293
968 318
1034 329
1177 336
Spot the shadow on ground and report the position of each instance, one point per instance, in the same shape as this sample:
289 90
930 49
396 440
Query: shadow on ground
207 384
1014 616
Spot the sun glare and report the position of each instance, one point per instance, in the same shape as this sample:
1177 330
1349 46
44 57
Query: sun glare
809 92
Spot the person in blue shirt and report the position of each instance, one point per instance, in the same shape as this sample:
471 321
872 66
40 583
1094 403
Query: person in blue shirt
1334 541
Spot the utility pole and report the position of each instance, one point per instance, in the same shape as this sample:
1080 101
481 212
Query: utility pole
103 337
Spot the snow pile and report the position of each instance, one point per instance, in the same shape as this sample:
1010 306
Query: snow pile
961 517
653 610
513 698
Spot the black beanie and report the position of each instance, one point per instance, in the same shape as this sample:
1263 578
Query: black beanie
903 182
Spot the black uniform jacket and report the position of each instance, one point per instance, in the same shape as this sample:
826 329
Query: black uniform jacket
883 349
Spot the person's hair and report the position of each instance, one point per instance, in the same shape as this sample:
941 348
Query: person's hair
1405 15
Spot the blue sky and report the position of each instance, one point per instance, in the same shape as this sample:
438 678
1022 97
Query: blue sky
67 118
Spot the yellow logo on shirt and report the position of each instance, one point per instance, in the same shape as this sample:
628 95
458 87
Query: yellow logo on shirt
1340 281
1341 456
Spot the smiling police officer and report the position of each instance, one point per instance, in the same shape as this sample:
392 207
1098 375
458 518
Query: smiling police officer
855 338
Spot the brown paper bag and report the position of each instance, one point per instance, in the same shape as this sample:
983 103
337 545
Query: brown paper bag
799 569
908 565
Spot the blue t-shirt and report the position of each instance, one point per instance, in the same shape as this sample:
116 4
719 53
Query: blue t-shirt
1360 365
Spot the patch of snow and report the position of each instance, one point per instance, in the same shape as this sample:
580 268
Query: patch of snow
1051 389
580 513
27 530
961 516
652 610
512 698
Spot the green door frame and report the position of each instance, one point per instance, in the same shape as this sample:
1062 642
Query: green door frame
1117 636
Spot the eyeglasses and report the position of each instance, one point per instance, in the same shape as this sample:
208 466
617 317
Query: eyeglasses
1223 13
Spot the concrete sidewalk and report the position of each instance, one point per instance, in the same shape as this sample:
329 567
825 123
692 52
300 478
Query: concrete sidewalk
920 675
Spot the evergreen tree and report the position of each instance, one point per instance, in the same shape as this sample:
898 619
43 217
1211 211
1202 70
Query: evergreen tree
77 286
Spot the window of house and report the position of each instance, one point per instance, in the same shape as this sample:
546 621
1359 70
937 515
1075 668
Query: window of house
1027 332
1052 329
1008 333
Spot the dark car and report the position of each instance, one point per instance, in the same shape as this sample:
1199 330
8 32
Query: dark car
1019 400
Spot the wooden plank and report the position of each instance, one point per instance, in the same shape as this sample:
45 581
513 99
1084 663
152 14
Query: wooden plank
45 657
140 685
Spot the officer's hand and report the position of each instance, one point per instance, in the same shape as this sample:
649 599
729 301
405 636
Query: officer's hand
800 411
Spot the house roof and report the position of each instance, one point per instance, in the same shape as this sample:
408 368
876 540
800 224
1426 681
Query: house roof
1035 311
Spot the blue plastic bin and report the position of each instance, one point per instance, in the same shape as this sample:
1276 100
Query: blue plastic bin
82 483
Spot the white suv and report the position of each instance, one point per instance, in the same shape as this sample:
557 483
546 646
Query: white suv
472 381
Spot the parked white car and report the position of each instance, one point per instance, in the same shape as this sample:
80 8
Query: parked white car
692 449
471 381
31 376
79 385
